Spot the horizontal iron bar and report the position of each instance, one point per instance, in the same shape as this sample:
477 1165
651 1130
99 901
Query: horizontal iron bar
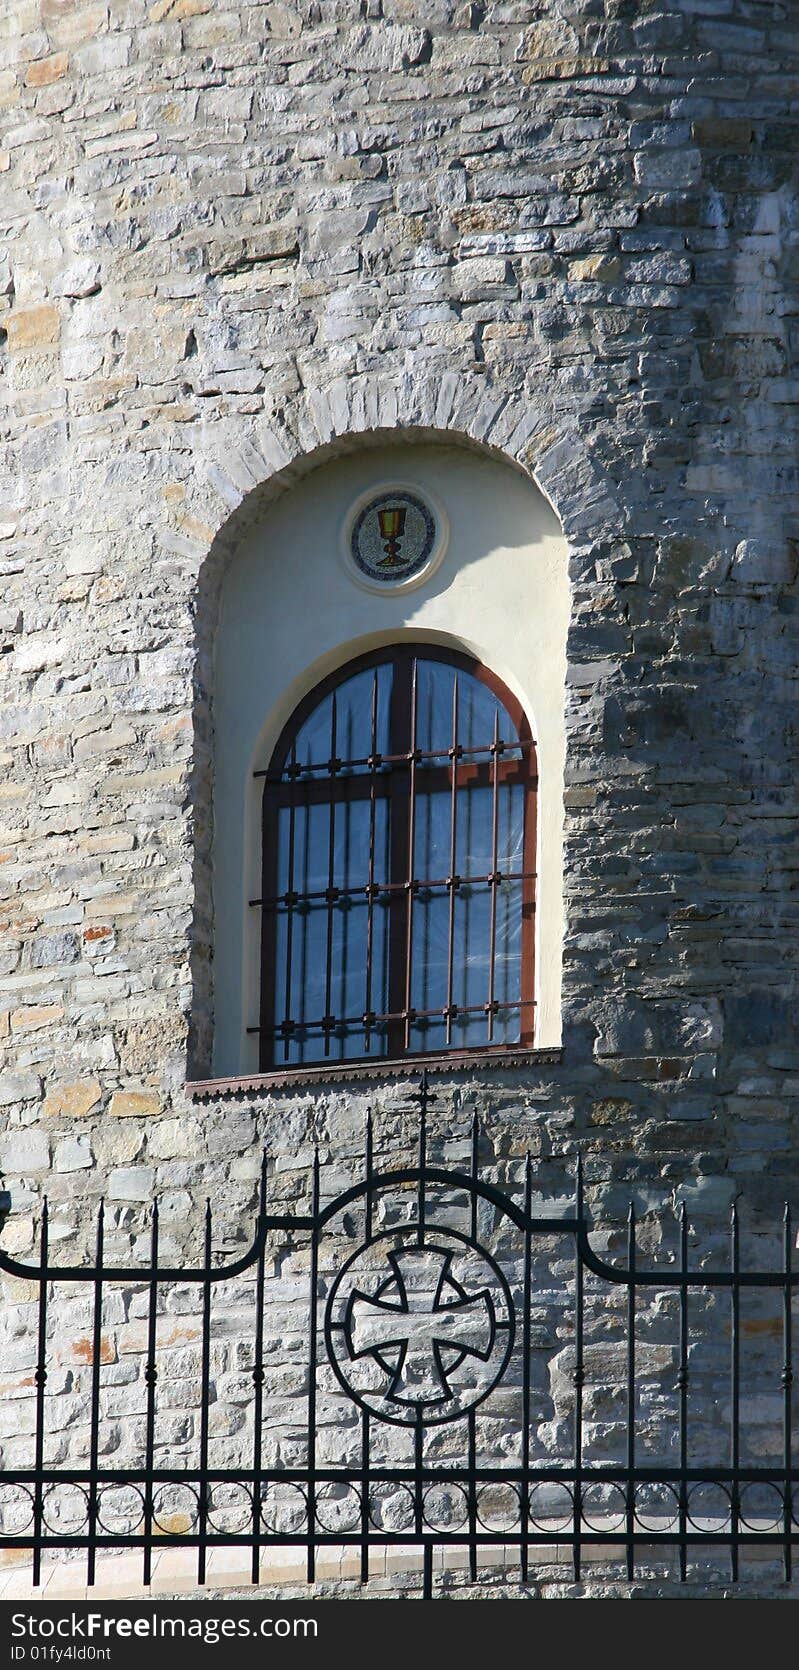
586 1474
390 889
618 1536
331 1023
376 763
678 1279
143 1272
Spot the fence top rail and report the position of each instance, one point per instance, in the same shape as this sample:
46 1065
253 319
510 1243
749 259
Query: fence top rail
418 1177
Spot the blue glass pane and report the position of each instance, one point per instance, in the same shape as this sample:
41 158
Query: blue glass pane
355 698
477 709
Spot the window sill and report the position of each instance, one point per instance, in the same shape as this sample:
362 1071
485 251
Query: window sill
381 1070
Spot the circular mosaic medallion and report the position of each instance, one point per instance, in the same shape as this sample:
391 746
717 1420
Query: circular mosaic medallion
393 537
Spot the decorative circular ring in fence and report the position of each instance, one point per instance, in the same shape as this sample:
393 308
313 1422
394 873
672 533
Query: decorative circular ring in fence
284 1509
65 1509
392 1508
709 1508
419 1328
176 1509
229 1508
120 1509
604 1507
551 1507
338 1507
656 1506
761 1506
16 1510
499 1507
445 1507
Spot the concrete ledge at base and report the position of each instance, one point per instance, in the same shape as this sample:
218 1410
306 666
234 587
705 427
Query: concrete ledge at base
174 1570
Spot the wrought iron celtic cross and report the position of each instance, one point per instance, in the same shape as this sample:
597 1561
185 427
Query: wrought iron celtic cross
417 1314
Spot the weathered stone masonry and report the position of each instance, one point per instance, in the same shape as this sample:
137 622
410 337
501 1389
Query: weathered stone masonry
238 238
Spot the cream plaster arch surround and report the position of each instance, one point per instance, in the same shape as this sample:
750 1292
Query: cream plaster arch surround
243 464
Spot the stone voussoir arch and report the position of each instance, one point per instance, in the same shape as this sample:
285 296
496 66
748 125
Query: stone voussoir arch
247 460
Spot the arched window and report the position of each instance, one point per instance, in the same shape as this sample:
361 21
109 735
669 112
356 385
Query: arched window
398 878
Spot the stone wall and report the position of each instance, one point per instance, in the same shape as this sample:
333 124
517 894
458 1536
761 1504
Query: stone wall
240 237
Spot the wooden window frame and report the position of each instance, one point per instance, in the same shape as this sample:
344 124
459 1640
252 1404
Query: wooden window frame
402 785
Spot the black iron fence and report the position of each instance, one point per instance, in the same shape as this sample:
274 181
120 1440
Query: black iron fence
433 1305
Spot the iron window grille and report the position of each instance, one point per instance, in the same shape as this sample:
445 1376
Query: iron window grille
398 866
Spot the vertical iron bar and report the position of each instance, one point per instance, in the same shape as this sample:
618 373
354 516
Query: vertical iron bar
735 1392
287 1015
314 1282
369 1168
427 1587
411 855
365 1424
205 1393
525 1526
41 1381
472 1416
418 1463
370 903
331 870
630 1516
787 1384
400 860
682 1382
418 1435
306 920
494 884
94 1434
150 1378
420 1187
258 1382
579 1379
453 853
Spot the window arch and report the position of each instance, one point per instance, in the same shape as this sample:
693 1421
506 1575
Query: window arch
398 865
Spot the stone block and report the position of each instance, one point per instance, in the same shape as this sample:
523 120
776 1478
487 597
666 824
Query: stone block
24 1152
19 1087
73 1154
135 1104
33 328
53 950
131 1183
600 269
45 70
73 1100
